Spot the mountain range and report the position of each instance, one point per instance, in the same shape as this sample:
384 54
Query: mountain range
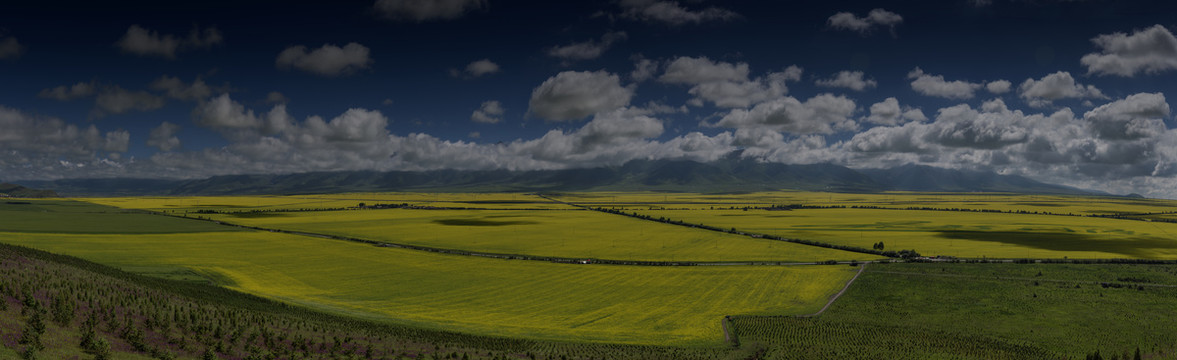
723 176
14 190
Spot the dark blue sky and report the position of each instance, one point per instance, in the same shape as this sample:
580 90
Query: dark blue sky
1063 91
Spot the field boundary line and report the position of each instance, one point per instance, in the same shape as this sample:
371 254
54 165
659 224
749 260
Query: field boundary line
728 331
861 268
735 341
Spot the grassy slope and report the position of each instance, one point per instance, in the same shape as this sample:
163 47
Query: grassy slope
985 311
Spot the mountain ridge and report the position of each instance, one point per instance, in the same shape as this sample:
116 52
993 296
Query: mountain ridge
18 191
727 175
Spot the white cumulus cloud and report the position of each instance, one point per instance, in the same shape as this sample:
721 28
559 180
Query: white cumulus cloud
672 12
698 70
489 112
164 137
482 67
116 100
644 69
853 80
1135 117
865 25
69 92
10 48
37 147
175 88
275 97
328 60
1148 51
108 99
998 86
726 84
935 85
587 50
141 41
1059 85
574 95
821 114
427 10
888 112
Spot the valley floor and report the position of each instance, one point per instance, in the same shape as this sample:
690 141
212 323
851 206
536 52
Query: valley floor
555 285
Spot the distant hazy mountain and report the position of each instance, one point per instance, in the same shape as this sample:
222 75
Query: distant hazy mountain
733 174
14 190
927 178
108 187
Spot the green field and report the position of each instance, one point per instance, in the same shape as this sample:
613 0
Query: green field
571 234
987 311
73 217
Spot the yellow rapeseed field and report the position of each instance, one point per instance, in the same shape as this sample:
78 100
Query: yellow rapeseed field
245 203
960 234
625 304
1059 204
181 204
561 233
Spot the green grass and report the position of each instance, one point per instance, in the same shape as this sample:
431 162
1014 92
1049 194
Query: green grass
527 299
75 217
983 311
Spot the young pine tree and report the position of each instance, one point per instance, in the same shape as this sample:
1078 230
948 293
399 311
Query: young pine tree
31 334
100 349
63 309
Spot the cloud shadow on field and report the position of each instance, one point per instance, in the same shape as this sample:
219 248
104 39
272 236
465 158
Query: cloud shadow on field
1059 241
